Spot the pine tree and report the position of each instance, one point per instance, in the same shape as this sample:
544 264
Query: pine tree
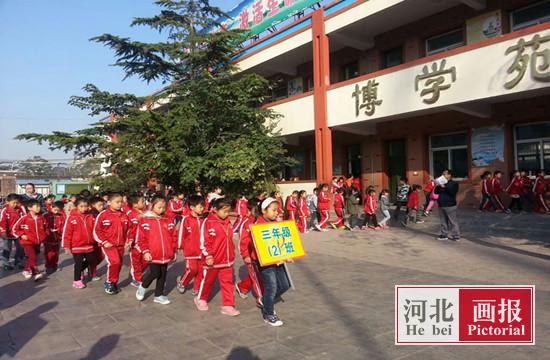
207 126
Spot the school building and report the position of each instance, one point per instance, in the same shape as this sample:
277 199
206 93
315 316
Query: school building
391 88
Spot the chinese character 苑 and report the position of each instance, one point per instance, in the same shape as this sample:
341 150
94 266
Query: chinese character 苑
441 308
289 247
244 20
286 232
484 310
415 308
272 7
257 12
266 235
434 81
367 98
276 232
522 60
509 310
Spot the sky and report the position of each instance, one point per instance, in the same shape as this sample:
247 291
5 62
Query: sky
46 57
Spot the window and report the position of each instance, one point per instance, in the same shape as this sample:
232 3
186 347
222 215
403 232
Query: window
350 71
392 57
449 151
530 15
533 147
444 42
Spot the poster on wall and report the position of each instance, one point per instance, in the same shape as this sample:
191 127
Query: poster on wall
487 145
484 26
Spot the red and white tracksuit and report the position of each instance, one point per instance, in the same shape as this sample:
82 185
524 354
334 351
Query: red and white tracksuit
539 189
217 242
8 219
496 189
112 226
157 236
291 207
174 209
52 243
189 239
303 214
371 204
77 235
516 187
323 205
281 208
246 247
339 209
137 264
36 231
242 210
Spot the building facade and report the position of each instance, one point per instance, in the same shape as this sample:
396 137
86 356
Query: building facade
387 88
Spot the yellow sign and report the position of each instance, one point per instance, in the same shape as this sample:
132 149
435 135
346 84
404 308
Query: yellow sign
276 242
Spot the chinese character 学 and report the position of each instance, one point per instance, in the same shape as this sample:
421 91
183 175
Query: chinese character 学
415 309
366 97
538 62
433 81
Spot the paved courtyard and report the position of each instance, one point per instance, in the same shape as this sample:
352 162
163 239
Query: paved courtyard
342 308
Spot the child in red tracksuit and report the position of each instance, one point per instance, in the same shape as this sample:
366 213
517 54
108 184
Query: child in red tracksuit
8 217
413 206
218 252
78 240
323 205
189 240
277 196
32 230
97 205
241 206
291 205
157 241
137 265
496 190
339 209
516 190
540 187
248 253
111 231
370 207
175 207
303 212
55 220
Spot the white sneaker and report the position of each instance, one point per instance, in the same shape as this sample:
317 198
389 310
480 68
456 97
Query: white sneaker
140 293
27 274
163 300
38 276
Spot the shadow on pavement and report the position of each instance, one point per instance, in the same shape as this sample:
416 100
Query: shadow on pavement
18 291
17 337
102 347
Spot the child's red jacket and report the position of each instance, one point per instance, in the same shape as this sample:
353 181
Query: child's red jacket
111 226
157 236
496 186
34 228
246 245
516 187
430 186
371 204
414 200
174 208
55 225
539 187
485 187
242 207
133 222
8 218
323 200
77 233
217 241
189 237
291 204
303 209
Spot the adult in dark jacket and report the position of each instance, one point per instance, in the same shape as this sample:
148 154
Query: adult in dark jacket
31 194
447 208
